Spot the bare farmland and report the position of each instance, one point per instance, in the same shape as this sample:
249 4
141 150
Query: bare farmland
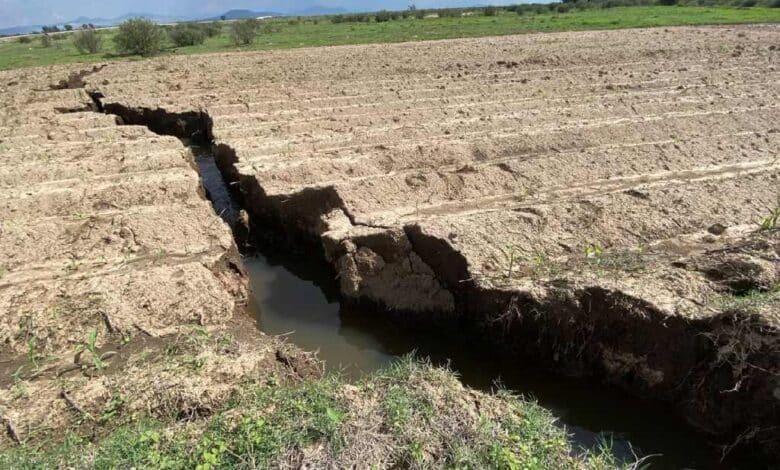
593 199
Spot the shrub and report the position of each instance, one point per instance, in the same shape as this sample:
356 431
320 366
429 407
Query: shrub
748 3
87 41
667 2
775 4
243 32
212 29
25 39
490 11
46 40
450 13
419 14
139 36
383 16
186 34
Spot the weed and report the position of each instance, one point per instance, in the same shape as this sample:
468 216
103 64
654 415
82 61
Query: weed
510 253
415 450
19 391
112 409
17 375
770 221
33 355
196 363
273 421
594 252
397 408
98 360
751 302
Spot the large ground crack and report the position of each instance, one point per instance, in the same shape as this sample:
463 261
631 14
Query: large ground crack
721 372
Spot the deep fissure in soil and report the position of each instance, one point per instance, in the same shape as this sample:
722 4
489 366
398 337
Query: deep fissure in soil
570 331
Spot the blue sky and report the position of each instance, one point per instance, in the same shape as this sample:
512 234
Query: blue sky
24 12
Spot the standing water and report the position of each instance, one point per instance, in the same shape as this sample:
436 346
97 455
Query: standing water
298 297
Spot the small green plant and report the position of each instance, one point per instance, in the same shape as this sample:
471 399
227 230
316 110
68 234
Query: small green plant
770 221
416 452
87 41
98 360
511 255
17 375
33 355
19 390
139 36
244 32
112 409
46 40
594 252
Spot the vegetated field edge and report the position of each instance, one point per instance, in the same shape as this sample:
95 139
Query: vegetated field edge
284 33
321 421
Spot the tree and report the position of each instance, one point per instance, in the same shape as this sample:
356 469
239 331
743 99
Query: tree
87 41
139 36
68 27
243 32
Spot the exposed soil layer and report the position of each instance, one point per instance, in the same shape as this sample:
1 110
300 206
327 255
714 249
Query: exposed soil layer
595 206
120 288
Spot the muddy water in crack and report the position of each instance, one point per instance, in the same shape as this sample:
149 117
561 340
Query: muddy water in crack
297 296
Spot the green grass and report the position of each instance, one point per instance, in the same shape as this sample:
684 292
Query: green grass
750 302
281 34
427 417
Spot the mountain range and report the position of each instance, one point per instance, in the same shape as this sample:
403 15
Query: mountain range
228 15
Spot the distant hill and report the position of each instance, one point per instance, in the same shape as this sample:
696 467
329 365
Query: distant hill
313 10
101 22
239 14
15 30
119 19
